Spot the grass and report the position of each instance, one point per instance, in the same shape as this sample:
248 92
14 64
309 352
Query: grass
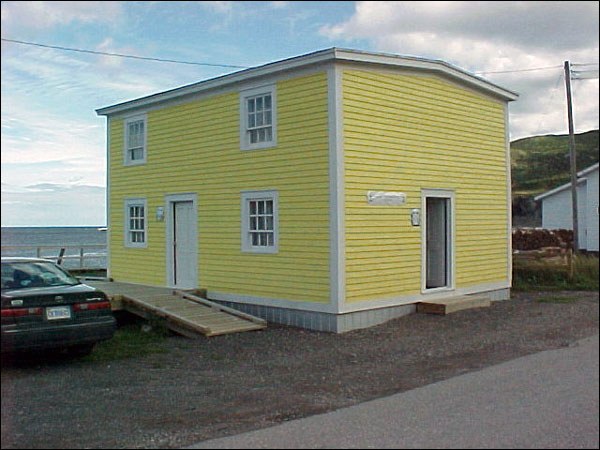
554 299
538 275
133 338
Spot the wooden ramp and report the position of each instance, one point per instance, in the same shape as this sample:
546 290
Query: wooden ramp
452 304
184 313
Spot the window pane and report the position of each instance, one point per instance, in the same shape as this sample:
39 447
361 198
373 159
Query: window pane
269 224
136 153
261 135
251 105
252 207
267 101
253 223
259 104
267 118
261 223
261 207
254 238
253 136
269 206
263 239
270 240
259 120
251 120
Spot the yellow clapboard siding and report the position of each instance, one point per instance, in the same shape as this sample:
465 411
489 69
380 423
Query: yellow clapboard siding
194 147
407 133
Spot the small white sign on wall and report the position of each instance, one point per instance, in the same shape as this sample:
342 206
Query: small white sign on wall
380 198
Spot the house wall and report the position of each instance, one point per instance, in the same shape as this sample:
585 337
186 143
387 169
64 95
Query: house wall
557 213
409 132
194 147
592 211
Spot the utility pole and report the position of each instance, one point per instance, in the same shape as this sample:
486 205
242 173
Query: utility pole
573 159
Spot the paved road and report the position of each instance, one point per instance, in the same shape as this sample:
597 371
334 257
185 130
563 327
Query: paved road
545 400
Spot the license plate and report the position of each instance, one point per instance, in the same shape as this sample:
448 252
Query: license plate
58 312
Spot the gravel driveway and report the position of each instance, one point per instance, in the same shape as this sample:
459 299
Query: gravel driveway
209 388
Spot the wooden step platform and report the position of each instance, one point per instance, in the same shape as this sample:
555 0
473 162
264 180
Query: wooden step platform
183 312
452 304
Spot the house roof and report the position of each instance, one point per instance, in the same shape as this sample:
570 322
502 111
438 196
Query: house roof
580 179
318 57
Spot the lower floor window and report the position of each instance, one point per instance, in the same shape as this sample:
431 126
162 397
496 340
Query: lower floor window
259 221
135 223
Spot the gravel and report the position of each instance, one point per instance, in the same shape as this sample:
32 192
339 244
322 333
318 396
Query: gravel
208 388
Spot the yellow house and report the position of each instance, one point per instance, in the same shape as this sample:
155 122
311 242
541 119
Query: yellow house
330 191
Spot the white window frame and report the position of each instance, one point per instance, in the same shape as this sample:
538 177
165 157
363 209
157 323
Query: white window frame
127 161
246 198
129 203
245 95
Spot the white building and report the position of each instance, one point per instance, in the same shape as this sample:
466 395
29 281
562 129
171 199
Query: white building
557 211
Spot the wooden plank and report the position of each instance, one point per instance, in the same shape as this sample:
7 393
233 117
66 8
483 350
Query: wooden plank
164 314
452 304
232 311
183 313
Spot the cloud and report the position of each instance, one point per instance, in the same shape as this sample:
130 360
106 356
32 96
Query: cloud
543 25
21 16
488 37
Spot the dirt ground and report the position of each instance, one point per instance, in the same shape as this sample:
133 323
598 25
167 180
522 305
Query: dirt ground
202 389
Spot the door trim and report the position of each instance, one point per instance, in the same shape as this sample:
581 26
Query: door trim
451 241
170 200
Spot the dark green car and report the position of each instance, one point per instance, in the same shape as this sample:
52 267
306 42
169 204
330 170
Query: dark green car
46 308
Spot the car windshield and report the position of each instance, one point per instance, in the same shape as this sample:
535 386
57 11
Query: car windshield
29 274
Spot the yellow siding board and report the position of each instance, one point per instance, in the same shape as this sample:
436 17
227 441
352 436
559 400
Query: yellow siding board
194 147
406 133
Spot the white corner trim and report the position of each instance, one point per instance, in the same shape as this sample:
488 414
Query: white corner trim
337 249
509 268
108 222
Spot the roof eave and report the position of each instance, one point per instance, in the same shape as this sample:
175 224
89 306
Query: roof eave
318 57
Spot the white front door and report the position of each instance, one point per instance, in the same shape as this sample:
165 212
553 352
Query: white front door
438 243
182 254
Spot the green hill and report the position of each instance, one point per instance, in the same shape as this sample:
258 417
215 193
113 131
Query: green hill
540 163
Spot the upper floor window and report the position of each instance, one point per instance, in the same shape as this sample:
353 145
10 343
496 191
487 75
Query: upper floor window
135 223
135 140
258 125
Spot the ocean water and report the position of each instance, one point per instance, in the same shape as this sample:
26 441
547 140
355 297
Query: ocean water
25 241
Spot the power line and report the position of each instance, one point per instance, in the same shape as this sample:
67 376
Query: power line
56 47
521 70
145 58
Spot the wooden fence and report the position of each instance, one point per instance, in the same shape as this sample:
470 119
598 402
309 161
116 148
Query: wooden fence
555 256
83 256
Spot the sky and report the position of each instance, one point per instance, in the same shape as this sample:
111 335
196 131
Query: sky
54 144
